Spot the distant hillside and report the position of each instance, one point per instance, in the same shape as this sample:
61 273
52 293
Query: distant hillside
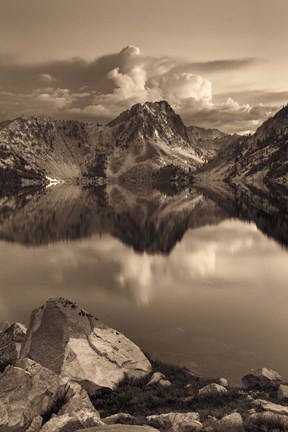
260 158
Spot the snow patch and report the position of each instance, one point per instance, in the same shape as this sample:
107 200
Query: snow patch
53 181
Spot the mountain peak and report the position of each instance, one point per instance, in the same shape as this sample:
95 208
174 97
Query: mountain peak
151 120
146 110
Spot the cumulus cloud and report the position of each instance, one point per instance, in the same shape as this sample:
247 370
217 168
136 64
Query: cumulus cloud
103 88
46 78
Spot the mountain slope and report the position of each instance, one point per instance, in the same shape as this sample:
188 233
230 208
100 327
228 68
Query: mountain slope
260 158
131 148
148 137
207 142
54 148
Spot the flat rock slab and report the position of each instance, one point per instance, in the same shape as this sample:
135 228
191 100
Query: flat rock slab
120 428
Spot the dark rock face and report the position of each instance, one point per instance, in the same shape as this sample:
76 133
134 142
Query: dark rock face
261 379
10 343
52 329
72 343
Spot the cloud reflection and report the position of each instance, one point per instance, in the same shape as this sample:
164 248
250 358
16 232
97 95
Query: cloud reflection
213 255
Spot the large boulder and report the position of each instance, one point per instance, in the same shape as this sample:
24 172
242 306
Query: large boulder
261 379
28 390
212 390
176 422
71 342
10 343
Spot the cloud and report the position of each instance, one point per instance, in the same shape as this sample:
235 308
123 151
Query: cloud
93 111
103 88
230 116
216 66
46 78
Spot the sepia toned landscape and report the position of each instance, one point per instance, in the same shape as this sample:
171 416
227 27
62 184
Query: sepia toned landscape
143 216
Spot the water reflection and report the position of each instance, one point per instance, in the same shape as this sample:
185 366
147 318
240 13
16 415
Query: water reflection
149 221
208 288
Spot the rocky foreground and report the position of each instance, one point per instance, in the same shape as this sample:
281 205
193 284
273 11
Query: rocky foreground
69 372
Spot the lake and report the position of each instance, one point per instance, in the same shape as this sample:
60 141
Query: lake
197 277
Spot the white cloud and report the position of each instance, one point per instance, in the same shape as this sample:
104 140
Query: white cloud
111 84
92 111
57 99
46 78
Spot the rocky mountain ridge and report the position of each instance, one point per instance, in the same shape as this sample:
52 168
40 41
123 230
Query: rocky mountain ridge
139 146
256 159
133 146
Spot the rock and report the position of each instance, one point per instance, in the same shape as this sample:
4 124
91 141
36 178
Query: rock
188 399
271 407
233 420
4 325
177 422
71 342
76 412
36 424
212 390
159 378
116 418
269 420
223 382
156 377
165 383
283 392
249 398
10 343
251 411
261 379
28 390
120 428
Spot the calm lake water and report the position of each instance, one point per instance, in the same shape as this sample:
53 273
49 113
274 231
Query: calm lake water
197 278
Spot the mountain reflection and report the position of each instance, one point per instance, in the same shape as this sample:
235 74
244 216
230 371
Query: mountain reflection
149 221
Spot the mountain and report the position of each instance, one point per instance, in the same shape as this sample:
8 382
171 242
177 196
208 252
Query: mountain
257 159
207 142
148 137
36 148
148 143
134 146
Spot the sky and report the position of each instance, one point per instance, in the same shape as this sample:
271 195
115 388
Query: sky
219 63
